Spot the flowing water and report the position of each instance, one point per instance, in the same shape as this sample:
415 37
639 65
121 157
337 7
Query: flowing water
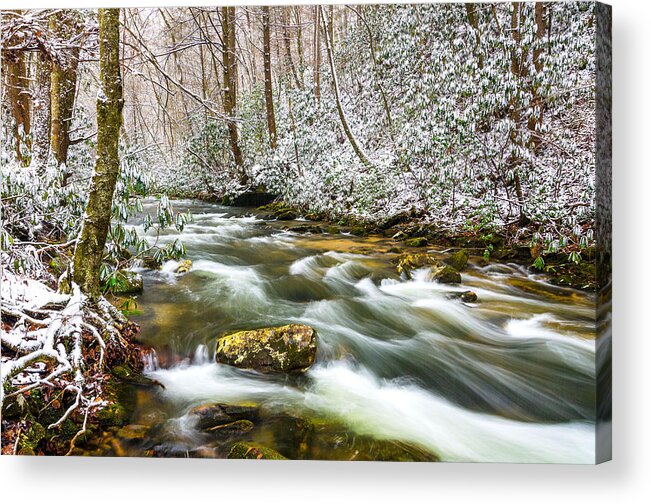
399 362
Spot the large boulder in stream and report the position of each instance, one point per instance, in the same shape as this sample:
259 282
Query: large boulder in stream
457 260
286 349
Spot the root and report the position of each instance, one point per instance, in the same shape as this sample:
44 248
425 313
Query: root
63 341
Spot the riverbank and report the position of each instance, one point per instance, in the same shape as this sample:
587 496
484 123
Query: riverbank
414 230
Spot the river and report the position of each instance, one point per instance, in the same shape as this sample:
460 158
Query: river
510 378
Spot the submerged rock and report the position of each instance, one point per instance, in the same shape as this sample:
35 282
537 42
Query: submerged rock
290 348
444 274
253 451
209 416
133 431
457 260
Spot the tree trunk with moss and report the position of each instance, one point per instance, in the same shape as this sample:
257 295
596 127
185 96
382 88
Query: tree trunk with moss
90 248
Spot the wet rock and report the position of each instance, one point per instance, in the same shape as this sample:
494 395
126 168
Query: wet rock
152 262
307 229
184 266
359 231
407 263
444 274
208 416
127 282
253 451
238 427
290 348
286 215
395 250
133 431
457 260
332 229
419 241
466 296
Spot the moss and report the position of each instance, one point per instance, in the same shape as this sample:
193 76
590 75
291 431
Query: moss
289 348
254 452
236 427
410 262
331 229
457 260
31 439
419 241
359 230
444 274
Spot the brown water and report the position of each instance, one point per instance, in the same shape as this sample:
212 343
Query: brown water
402 372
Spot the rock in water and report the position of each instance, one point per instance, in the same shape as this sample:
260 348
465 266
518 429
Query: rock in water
286 349
209 416
444 274
416 242
253 451
457 260
410 262
184 266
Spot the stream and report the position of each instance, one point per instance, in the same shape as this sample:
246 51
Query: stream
403 371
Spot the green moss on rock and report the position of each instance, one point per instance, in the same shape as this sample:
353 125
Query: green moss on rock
457 260
419 241
444 274
253 451
290 348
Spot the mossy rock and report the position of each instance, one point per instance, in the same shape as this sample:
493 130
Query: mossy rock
419 241
395 250
457 260
208 416
184 266
133 431
152 262
358 231
286 349
253 451
410 262
236 428
286 215
332 229
444 274
30 440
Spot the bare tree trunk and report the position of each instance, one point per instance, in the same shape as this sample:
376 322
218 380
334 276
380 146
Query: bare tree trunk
63 89
317 53
471 12
288 46
299 41
342 116
17 81
535 122
518 68
230 85
41 113
90 248
268 83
